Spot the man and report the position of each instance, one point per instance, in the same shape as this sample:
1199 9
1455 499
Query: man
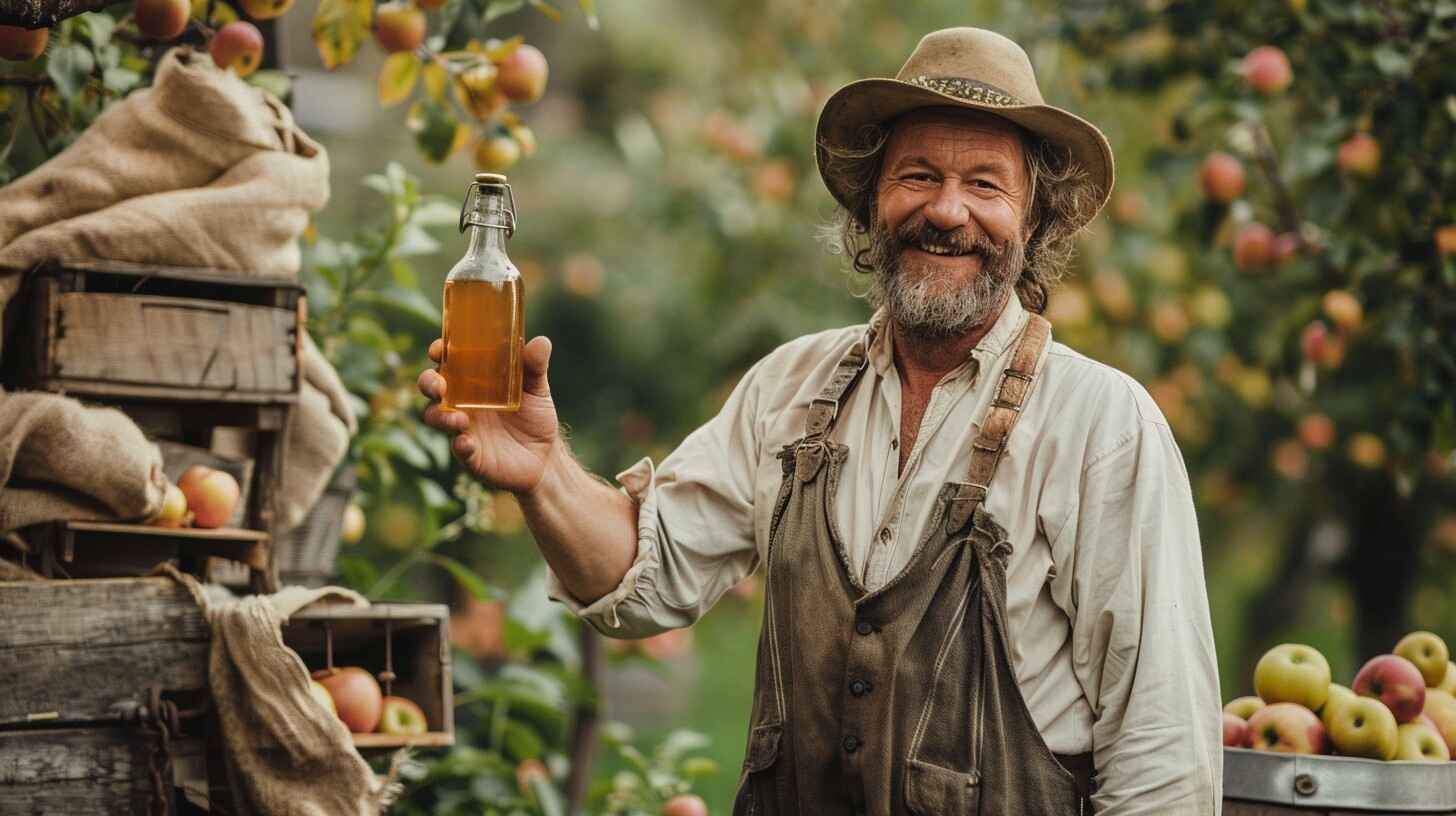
982 562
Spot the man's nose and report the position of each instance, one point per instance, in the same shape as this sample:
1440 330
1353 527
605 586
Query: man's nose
948 210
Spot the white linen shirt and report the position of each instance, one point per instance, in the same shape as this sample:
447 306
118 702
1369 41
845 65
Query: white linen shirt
1106 605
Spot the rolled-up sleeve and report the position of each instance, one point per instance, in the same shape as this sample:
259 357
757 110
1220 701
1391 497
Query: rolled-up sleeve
1131 579
695 537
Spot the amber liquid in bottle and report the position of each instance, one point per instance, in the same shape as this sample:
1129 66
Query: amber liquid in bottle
484 309
482 359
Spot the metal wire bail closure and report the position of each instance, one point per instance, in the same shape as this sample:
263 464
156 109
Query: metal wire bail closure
473 192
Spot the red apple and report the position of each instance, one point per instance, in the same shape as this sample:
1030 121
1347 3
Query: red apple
685 804
1292 673
1222 177
1344 309
1440 709
1316 431
22 44
1429 654
1286 247
1419 742
212 495
1314 341
237 46
1243 707
1235 731
1359 155
1267 70
1394 681
402 717
1287 728
399 26
523 73
161 19
1253 247
174 509
321 694
356 696
1361 727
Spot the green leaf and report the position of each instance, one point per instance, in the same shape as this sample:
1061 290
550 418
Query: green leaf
434 129
698 766
69 67
407 303
436 212
547 797
339 27
120 80
397 77
678 743
499 8
468 578
98 27
415 241
1391 61
274 82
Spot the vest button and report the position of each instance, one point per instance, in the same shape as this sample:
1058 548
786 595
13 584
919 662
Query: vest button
851 744
860 687
864 627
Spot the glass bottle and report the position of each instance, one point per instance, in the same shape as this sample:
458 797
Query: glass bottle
484 325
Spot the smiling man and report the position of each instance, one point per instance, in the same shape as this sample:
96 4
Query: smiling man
984 584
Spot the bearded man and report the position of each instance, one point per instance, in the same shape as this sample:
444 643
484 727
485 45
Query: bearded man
984 585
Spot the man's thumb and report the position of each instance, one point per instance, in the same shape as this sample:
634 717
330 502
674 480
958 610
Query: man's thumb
535 359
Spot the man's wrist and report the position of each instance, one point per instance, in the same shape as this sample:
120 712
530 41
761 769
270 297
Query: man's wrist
554 476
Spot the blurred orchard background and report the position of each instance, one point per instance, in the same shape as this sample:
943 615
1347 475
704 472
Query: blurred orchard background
1277 266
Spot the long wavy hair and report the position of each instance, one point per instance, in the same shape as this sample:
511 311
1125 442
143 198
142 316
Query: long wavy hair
1063 200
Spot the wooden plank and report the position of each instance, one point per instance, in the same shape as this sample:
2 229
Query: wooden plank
80 771
429 739
237 534
102 389
86 650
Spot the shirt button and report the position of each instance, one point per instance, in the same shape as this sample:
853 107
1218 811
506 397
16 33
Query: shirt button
894 444
864 627
851 744
886 535
860 687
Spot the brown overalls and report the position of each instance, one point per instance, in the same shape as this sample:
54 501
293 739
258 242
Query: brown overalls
902 700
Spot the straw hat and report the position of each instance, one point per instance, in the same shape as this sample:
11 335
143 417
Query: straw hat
963 68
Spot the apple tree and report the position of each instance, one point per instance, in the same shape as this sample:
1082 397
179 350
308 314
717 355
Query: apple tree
1284 266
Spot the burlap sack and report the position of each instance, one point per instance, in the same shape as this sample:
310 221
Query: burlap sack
203 170
60 459
289 755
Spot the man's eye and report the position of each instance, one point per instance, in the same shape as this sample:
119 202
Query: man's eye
985 185
918 177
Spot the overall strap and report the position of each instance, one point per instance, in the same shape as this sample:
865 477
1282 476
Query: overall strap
990 443
824 408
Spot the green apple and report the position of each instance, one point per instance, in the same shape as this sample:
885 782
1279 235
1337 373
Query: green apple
402 718
1293 673
1429 653
1338 696
1243 707
1419 742
1361 726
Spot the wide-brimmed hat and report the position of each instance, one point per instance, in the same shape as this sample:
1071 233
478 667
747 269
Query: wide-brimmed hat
963 68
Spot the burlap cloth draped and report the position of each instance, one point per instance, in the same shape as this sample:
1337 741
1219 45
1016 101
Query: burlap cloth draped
202 170
289 755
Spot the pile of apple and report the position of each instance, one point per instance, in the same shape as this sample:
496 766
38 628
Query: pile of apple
1400 706
203 497
353 695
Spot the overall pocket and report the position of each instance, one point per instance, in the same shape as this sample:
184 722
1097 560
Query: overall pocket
756 786
931 790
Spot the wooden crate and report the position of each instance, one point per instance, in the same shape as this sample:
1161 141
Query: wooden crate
109 329
412 639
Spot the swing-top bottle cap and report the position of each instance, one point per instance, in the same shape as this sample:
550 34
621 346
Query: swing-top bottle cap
490 178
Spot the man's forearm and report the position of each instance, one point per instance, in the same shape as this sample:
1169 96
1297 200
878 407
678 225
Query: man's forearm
586 530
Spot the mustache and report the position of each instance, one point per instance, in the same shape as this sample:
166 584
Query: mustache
959 240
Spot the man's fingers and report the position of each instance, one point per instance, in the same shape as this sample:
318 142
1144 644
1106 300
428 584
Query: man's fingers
431 384
437 349
463 446
443 419
535 359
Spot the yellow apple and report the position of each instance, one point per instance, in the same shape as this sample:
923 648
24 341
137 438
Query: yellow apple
1440 708
1362 727
1293 673
1420 743
1244 707
1428 651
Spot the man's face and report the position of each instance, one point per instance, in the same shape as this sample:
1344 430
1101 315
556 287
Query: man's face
947 238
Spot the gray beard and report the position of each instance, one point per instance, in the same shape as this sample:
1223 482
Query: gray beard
913 292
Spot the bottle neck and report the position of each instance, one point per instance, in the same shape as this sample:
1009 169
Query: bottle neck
485 239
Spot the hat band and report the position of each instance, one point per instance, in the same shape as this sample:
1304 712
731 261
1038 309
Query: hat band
968 89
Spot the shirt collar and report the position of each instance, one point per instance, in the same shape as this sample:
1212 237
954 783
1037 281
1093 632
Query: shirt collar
1005 330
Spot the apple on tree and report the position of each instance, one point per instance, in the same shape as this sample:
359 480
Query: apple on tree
1359 155
238 47
1429 654
685 804
1222 177
161 19
1267 70
1394 681
1293 673
522 76
399 26
1253 247
1287 728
